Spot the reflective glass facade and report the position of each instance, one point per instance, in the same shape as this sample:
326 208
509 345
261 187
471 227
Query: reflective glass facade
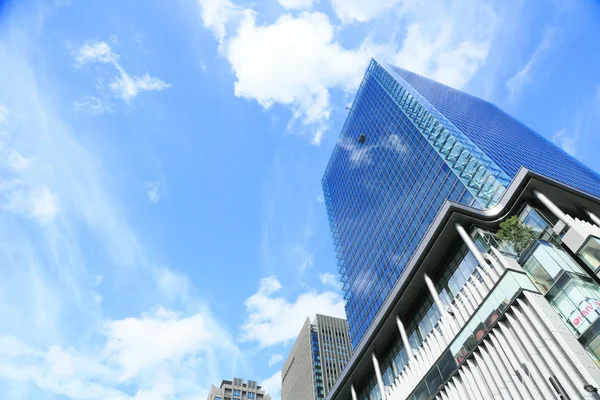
506 141
407 146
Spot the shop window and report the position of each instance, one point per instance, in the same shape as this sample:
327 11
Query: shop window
590 253
544 262
577 301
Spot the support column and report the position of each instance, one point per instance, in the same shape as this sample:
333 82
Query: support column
471 245
354 396
404 337
436 297
593 217
378 376
552 207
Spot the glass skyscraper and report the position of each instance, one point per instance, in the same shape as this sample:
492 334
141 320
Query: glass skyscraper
408 145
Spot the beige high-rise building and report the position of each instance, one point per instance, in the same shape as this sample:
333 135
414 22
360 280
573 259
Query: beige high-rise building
316 359
237 389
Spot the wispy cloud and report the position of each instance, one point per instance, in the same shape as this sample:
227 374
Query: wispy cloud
43 205
93 105
582 129
16 162
125 86
517 83
153 191
57 340
275 358
3 113
332 280
568 142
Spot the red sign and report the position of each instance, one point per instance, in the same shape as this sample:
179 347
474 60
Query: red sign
585 308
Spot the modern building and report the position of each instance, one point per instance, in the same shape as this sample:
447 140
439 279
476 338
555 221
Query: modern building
238 389
316 359
408 145
442 302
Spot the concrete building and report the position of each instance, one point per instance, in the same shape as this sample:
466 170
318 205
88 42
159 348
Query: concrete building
316 359
237 389
469 250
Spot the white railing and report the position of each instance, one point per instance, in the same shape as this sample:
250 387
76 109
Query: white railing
583 227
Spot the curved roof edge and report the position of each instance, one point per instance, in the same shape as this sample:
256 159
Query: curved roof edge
440 235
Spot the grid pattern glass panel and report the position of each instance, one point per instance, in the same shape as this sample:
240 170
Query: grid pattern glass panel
382 195
505 140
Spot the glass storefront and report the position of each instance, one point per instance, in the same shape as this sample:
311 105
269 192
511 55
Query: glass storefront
591 341
572 293
545 262
563 281
590 253
577 301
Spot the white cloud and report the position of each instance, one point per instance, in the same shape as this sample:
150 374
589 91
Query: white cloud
360 10
217 14
275 358
95 52
202 65
16 162
137 344
442 56
3 113
153 191
360 154
163 353
357 154
298 60
39 204
93 105
172 284
329 279
294 62
271 319
125 86
272 385
67 346
297 4
519 81
566 141
44 205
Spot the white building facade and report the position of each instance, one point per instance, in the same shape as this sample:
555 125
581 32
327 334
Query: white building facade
480 316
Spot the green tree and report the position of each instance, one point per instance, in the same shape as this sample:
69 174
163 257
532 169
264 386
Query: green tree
517 233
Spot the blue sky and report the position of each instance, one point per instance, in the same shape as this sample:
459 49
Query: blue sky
161 218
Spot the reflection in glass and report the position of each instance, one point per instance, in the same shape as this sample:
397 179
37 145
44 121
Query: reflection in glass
544 262
434 381
375 393
388 376
577 302
591 340
590 253
421 393
401 359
